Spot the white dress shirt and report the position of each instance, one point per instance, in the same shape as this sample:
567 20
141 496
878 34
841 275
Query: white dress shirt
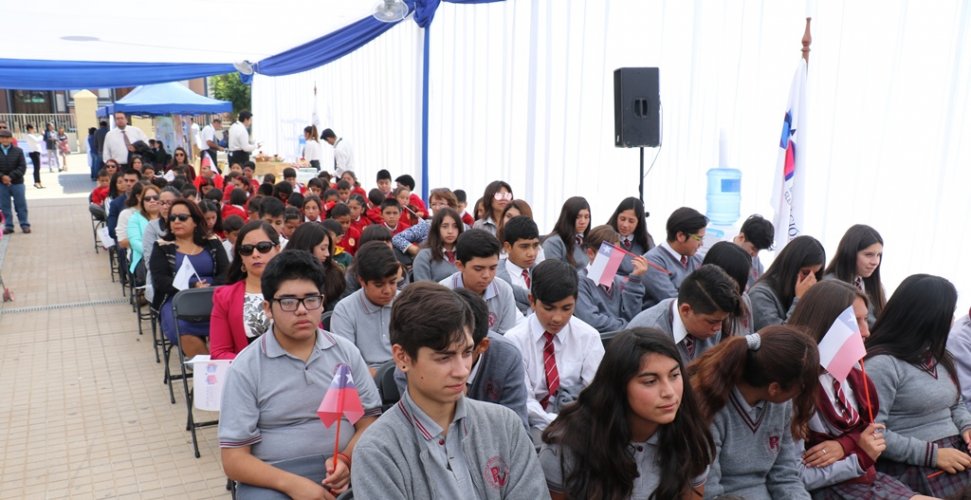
208 134
343 155
239 138
313 150
578 352
115 148
515 275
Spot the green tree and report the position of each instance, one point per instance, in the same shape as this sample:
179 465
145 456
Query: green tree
228 88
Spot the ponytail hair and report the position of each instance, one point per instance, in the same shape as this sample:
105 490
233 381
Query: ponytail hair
782 354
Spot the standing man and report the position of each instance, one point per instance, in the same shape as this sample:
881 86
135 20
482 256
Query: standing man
13 166
240 146
208 139
343 154
119 142
99 142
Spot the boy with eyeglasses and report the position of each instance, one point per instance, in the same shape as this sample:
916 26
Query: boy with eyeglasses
269 432
678 255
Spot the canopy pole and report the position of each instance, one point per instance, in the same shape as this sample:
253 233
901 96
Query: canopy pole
424 115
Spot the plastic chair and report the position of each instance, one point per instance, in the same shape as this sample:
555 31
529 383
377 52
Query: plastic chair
325 320
98 219
384 379
193 305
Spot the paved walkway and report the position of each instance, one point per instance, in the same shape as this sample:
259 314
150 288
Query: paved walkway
83 412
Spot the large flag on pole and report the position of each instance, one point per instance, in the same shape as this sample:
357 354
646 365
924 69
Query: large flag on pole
790 171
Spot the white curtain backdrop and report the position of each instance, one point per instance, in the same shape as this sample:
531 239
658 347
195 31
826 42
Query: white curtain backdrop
522 91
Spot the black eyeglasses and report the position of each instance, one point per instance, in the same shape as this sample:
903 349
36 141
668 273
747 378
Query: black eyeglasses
179 217
310 302
262 247
3 127
150 197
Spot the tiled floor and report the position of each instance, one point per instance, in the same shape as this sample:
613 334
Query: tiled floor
83 412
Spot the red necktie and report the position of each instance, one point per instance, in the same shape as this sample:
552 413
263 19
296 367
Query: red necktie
549 362
627 244
450 255
689 345
843 406
859 283
579 239
684 261
526 278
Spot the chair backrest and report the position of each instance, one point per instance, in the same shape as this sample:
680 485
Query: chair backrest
384 379
325 319
193 304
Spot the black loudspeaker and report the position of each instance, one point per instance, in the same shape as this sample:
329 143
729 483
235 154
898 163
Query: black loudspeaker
637 108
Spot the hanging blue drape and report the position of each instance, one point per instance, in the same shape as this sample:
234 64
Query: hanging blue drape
31 74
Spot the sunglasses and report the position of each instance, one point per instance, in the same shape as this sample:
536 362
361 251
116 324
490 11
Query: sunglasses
150 197
263 247
179 217
502 196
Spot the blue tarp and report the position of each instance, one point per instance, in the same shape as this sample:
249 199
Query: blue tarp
30 74
165 99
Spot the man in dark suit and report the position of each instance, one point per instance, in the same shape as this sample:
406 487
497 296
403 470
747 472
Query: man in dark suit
498 375
13 166
99 142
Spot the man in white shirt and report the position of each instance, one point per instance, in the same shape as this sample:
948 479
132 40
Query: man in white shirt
119 142
561 353
343 154
210 144
240 146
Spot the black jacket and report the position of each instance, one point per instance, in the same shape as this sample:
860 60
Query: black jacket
162 267
99 139
13 164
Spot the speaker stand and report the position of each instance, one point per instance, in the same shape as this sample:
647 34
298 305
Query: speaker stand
641 185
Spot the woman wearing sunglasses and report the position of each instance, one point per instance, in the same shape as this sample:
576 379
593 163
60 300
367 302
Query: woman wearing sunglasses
237 309
187 239
148 210
497 195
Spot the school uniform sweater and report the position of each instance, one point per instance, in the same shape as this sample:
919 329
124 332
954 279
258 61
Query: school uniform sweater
609 311
660 286
425 268
871 314
767 308
756 457
390 460
365 324
918 405
554 249
503 314
519 293
959 345
663 317
627 265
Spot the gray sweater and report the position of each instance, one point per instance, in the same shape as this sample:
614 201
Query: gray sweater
554 248
390 462
756 457
767 308
918 406
658 285
608 312
424 268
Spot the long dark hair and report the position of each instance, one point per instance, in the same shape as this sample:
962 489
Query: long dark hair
822 304
434 241
786 355
113 187
237 271
489 196
737 263
640 232
306 237
781 276
857 238
916 321
597 433
201 232
566 225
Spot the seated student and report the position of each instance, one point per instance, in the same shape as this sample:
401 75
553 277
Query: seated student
319 241
497 374
236 204
435 442
237 317
383 181
253 206
521 247
295 200
391 216
343 191
695 318
843 444
858 258
561 353
737 263
634 432
407 181
462 201
272 210
566 241
100 193
291 221
409 215
959 345
373 212
207 173
315 186
356 188
755 235
757 392
282 191
630 222
609 309
266 189
290 176
371 233
269 405
341 255
793 272
357 204
231 226
928 424
477 257
409 241
363 316
678 254
311 208
436 261
497 195
214 217
342 214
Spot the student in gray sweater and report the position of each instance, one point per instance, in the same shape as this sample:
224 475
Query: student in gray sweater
566 241
630 221
436 261
609 309
520 243
678 255
754 389
793 272
857 262
737 263
436 443
695 319
928 426
755 235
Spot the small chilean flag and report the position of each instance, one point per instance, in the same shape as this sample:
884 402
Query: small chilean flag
605 265
341 399
842 346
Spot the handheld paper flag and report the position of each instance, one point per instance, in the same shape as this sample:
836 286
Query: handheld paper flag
341 399
842 346
206 161
605 265
186 271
